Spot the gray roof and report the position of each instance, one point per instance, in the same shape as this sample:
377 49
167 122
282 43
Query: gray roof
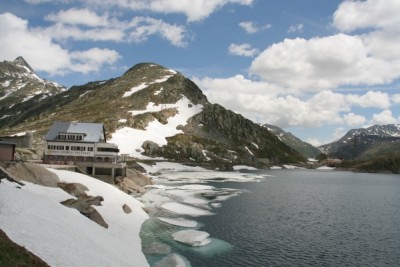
94 131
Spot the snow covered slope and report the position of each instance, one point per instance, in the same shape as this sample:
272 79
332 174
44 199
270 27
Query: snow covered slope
32 216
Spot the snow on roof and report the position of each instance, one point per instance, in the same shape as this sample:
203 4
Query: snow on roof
94 132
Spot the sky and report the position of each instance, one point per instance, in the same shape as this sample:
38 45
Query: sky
316 68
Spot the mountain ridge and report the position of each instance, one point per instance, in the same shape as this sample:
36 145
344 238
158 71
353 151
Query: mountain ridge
364 143
167 115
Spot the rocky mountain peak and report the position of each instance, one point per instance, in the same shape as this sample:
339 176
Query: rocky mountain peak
22 62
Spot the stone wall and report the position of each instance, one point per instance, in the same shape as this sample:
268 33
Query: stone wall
21 141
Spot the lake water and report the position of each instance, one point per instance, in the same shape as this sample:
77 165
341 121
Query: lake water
304 218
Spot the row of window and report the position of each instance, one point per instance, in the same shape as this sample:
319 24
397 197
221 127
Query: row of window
73 148
82 148
71 137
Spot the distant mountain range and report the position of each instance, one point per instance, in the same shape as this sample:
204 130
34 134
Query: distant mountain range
306 149
150 112
365 143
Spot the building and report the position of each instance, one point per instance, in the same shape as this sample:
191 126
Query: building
7 151
83 145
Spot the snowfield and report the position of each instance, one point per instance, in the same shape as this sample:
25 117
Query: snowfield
33 217
130 140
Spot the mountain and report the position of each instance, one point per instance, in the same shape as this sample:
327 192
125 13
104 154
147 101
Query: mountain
365 143
151 111
21 89
306 149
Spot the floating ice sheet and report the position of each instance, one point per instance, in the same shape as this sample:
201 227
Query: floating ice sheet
193 238
185 209
178 221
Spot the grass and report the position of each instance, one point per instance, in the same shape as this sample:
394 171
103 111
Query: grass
14 255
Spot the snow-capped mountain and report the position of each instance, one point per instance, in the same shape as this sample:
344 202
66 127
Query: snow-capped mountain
365 142
304 148
21 88
153 111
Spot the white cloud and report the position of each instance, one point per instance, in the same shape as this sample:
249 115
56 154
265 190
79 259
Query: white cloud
261 102
140 28
296 28
194 10
250 27
84 24
352 119
42 53
353 15
92 59
323 63
75 16
61 32
314 141
371 99
385 117
396 98
245 50
369 57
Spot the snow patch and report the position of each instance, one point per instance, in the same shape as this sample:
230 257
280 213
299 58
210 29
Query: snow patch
144 85
130 140
50 228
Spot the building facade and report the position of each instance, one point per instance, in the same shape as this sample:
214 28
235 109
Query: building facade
83 145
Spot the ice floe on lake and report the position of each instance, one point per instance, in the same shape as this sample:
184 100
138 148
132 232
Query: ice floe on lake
178 222
185 209
193 238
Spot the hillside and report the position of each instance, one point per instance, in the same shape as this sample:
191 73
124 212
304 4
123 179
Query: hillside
152 111
365 143
306 149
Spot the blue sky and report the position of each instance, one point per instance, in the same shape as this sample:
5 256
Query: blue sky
316 68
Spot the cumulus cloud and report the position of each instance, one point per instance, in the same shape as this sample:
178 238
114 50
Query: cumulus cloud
320 63
268 103
42 53
396 98
371 99
250 27
245 50
263 102
323 63
352 119
384 117
353 15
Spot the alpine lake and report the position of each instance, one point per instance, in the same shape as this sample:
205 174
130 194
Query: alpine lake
294 218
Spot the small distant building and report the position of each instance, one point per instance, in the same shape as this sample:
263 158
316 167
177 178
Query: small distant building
83 145
332 162
21 140
7 151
